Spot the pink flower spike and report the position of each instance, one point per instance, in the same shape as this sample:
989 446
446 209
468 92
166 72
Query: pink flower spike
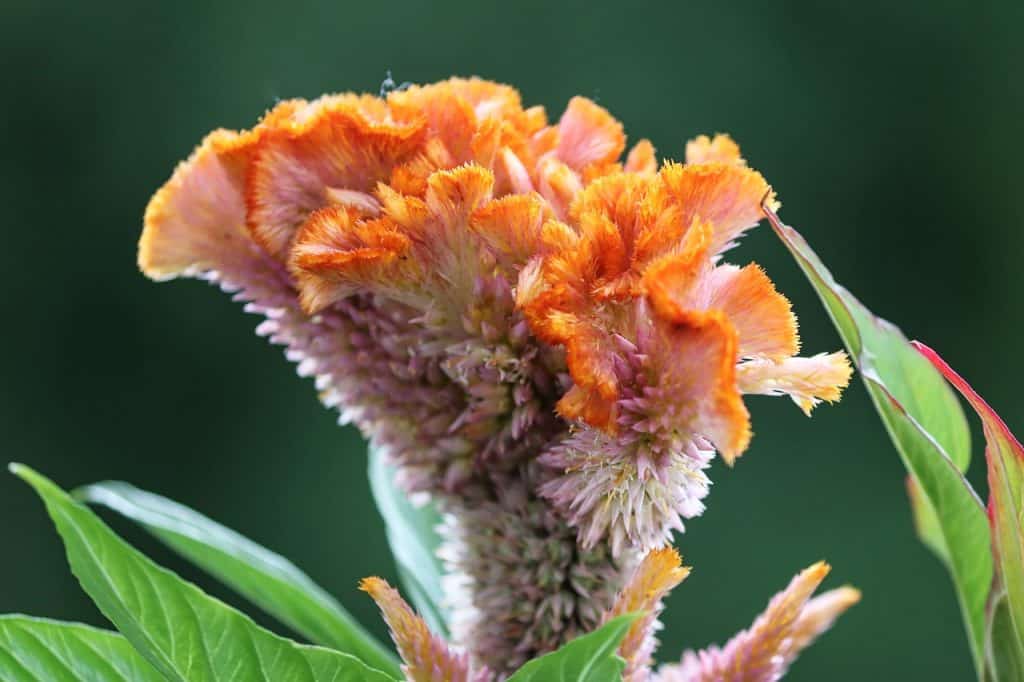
659 572
426 657
764 652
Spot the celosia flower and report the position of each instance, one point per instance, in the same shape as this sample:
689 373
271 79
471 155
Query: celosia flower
500 304
792 621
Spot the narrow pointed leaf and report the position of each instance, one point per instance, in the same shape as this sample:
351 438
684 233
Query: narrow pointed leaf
590 658
266 579
184 633
1004 456
412 536
34 649
928 427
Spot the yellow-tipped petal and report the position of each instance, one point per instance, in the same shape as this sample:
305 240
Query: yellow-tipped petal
659 572
818 615
807 381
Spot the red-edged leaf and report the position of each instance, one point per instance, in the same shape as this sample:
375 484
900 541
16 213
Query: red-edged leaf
928 428
1005 459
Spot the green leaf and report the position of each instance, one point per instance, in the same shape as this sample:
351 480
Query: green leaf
34 649
1004 456
412 535
268 580
928 427
1004 650
590 658
185 634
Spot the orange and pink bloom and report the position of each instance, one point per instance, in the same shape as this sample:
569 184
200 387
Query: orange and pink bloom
537 326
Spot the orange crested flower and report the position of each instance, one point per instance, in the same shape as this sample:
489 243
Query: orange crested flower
659 237
662 338
655 236
428 198
501 303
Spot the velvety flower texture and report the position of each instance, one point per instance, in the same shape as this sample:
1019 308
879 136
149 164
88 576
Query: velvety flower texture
539 334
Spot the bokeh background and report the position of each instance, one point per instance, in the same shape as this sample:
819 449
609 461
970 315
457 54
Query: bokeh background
892 131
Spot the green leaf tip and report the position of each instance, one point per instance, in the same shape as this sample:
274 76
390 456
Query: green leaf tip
43 486
30 476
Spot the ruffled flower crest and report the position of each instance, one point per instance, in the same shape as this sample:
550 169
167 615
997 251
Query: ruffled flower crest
658 333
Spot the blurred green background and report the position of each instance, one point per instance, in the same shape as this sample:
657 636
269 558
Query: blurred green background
892 131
